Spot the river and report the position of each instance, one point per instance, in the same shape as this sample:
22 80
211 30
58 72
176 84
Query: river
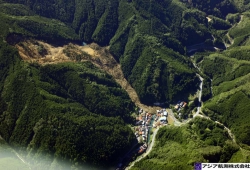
178 123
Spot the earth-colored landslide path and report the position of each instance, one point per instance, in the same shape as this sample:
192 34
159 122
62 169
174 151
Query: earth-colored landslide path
44 53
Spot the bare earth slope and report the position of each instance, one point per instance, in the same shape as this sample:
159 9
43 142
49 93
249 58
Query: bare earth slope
44 53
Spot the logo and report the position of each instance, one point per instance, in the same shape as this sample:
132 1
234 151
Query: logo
197 166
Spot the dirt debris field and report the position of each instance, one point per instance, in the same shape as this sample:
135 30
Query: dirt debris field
44 53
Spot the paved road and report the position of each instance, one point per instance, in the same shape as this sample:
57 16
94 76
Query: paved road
228 130
147 151
176 121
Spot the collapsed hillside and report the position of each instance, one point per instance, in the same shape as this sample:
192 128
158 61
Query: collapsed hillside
59 109
35 51
139 34
73 110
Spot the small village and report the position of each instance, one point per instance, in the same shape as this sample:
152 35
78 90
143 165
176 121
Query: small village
144 123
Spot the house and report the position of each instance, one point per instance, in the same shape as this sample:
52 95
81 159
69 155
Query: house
163 119
165 113
184 105
141 151
181 104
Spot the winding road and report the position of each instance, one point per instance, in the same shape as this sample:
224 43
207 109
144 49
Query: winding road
178 123
147 151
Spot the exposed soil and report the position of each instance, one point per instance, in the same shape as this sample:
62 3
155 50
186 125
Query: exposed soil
209 19
44 53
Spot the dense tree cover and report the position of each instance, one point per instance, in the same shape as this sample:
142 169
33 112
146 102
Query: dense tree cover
239 33
194 27
131 28
70 111
229 105
78 113
219 24
229 72
232 110
17 18
218 8
139 33
219 68
242 5
167 79
233 18
240 53
180 147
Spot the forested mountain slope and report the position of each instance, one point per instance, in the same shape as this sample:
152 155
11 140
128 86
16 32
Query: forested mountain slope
198 141
229 72
226 78
147 37
141 35
76 112
67 110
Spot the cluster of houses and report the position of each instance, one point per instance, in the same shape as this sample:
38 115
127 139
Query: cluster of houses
161 117
142 128
180 105
142 148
